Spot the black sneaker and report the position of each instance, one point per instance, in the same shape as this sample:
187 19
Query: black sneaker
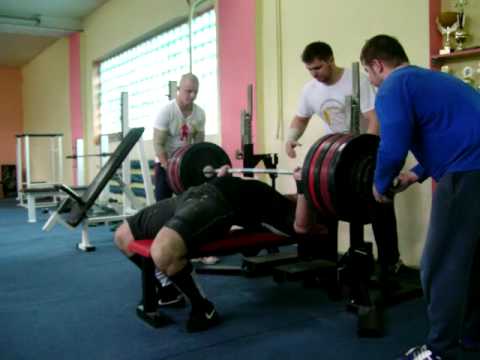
420 353
203 318
401 270
393 274
170 296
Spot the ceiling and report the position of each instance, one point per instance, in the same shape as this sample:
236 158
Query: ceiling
29 26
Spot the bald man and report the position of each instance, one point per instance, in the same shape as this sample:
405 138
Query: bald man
180 122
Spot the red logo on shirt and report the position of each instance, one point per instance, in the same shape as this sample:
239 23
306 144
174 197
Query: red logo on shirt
184 131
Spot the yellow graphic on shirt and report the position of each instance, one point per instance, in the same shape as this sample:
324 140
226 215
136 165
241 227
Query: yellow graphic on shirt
332 112
326 117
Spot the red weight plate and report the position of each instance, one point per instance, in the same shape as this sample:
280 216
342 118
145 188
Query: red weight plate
173 169
312 167
326 171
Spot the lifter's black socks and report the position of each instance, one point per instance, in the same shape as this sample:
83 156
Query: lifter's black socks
136 259
185 282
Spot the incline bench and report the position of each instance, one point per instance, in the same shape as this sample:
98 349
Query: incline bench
74 209
237 241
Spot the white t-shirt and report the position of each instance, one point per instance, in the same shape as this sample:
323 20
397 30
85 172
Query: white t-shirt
181 130
328 101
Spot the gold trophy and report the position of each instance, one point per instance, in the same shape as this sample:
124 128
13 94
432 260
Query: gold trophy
447 23
461 35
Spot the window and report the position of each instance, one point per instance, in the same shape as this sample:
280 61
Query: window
145 70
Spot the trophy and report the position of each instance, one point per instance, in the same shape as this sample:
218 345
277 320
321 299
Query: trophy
460 34
468 75
447 23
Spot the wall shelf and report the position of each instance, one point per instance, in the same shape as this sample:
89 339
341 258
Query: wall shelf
467 53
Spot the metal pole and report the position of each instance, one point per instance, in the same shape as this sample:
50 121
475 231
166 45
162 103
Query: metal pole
60 159
53 157
19 167
126 163
147 179
260 171
209 171
28 178
80 163
355 100
172 90
246 118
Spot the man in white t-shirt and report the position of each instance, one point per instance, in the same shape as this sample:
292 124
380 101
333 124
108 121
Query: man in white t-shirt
324 95
180 122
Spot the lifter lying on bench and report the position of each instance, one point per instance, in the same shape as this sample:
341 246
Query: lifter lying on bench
197 223
205 213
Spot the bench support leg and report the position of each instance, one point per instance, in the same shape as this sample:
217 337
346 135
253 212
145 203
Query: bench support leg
85 244
31 208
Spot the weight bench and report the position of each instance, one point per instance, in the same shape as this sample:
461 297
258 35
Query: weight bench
320 262
51 196
74 209
237 241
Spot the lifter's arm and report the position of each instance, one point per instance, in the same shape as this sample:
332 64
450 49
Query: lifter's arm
304 215
159 141
294 132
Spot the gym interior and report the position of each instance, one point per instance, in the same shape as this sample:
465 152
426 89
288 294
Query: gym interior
76 76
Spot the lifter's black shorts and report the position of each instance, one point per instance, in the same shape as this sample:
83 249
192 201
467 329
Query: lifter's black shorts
200 215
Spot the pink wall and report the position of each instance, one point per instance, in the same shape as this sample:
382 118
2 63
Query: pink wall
236 57
76 122
11 113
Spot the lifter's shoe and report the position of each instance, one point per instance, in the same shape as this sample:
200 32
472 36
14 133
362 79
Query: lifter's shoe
203 317
420 353
170 296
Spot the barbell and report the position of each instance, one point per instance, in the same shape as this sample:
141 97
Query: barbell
337 173
209 171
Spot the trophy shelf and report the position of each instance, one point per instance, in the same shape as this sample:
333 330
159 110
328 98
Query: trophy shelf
463 54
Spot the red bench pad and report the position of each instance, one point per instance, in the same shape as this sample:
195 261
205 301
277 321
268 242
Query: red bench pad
141 247
235 242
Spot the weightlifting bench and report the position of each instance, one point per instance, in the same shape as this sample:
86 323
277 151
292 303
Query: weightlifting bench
237 241
321 260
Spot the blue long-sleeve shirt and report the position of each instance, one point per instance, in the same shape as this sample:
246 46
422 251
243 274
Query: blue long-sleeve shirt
432 114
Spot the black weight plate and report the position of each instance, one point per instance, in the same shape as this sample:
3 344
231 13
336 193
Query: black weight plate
352 206
196 158
329 188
